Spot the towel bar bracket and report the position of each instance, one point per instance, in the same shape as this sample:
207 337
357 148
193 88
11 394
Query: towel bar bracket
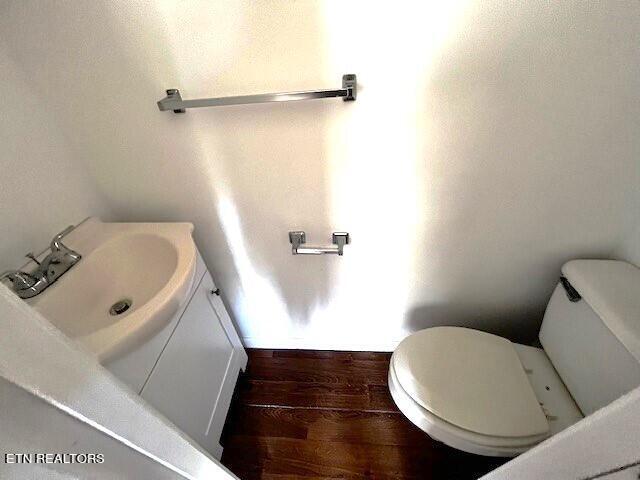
349 83
174 95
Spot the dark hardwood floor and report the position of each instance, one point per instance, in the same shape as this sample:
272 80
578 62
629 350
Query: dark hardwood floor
300 414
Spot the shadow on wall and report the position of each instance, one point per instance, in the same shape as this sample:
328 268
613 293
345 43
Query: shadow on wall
480 317
269 163
275 184
524 173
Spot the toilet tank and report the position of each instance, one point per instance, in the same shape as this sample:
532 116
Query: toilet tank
593 339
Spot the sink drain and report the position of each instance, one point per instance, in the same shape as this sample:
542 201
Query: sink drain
120 307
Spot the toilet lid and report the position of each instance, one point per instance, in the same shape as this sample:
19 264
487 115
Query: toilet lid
471 379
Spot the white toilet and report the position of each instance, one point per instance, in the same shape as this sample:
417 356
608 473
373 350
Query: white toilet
483 394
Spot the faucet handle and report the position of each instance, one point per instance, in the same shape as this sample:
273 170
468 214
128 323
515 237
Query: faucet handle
20 280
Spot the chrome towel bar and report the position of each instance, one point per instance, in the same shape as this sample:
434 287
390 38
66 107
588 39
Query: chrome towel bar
297 239
173 100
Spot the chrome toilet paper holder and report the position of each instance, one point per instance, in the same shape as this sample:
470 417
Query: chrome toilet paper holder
299 238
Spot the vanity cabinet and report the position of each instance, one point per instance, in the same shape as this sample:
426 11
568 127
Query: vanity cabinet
189 370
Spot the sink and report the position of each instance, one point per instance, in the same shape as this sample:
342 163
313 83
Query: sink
131 280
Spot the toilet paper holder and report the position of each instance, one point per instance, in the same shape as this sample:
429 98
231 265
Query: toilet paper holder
299 238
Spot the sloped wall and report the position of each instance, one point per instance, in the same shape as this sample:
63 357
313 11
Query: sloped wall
43 186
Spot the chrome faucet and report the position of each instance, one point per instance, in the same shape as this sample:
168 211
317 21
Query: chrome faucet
60 253
54 265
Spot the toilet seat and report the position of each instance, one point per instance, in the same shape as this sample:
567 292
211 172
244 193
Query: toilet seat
467 389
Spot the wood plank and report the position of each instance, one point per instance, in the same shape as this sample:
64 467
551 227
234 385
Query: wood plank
279 476
259 353
329 425
310 395
278 456
380 399
316 395
329 370
258 474
332 354
271 422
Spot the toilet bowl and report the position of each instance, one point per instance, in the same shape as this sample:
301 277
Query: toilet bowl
483 394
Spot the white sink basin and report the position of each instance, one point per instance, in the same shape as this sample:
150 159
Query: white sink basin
149 266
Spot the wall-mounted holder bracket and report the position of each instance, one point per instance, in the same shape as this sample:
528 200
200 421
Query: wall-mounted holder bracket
298 239
349 83
173 95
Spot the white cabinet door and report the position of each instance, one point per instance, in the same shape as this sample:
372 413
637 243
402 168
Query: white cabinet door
187 382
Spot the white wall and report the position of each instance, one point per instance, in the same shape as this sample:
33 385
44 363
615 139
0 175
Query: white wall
43 190
603 445
490 142
629 249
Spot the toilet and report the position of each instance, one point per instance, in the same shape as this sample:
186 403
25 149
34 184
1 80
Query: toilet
483 394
